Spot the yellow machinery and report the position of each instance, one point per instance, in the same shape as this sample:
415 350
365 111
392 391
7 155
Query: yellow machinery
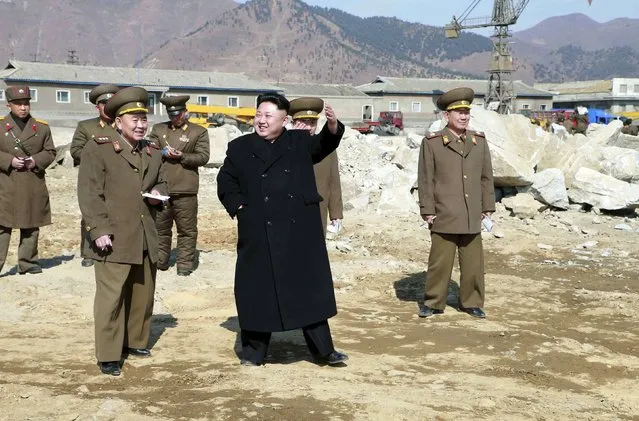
217 115
634 115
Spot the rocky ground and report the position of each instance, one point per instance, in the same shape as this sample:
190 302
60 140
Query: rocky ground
561 340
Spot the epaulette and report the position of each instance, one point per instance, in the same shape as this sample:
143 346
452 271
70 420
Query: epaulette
100 140
480 134
42 122
432 135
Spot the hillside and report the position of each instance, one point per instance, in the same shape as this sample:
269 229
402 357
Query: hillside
117 35
288 40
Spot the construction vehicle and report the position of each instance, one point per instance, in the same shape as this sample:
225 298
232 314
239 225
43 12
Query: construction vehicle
388 123
217 115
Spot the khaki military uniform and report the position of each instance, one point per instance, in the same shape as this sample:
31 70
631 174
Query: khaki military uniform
85 131
111 180
330 188
183 184
455 183
24 198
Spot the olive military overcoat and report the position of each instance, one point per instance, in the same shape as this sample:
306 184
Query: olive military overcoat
455 181
193 141
24 198
111 181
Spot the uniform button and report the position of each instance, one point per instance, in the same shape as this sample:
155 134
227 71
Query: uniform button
462 151
287 171
465 176
292 220
142 216
466 195
136 170
264 175
16 148
269 223
290 196
266 198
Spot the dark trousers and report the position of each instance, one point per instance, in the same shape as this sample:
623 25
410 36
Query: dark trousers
318 339
27 250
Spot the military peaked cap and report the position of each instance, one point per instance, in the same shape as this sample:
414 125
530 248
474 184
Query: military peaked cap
456 99
175 104
306 107
102 93
128 100
14 93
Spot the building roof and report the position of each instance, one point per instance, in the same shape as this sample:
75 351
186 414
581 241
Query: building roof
397 85
323 91
581 87
154 79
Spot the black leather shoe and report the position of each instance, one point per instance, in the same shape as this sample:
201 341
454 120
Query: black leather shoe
184 272
86 263
249 363
163 266
112 368
334 358
474 311
425 311
138 352
32 270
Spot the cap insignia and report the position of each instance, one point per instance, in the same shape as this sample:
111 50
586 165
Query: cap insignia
20 91
139 104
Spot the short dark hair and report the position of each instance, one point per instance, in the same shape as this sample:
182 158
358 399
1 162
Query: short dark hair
279 100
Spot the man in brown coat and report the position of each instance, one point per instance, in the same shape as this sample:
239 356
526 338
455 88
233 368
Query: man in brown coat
455 183
101 126
116 177
305 112
26 149
185 148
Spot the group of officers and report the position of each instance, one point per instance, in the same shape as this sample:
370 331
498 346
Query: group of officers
280 182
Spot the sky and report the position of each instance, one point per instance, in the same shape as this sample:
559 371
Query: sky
439 13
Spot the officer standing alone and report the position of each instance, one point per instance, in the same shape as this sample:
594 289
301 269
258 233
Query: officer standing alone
456 191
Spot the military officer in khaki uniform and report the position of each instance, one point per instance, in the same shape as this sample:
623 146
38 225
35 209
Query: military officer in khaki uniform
101 126
185 148
114 175
26 150
305 112
455 183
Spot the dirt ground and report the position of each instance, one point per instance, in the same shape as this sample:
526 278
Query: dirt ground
561 341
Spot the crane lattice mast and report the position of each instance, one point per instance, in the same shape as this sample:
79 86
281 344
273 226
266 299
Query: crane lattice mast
500 89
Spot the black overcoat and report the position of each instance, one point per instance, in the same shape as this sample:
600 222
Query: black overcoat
282 275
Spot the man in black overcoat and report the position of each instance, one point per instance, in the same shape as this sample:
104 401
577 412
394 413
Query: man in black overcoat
282 276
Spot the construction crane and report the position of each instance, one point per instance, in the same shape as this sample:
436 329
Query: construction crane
501 89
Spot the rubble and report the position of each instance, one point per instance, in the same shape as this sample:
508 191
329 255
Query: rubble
523 206
603 191
549 187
